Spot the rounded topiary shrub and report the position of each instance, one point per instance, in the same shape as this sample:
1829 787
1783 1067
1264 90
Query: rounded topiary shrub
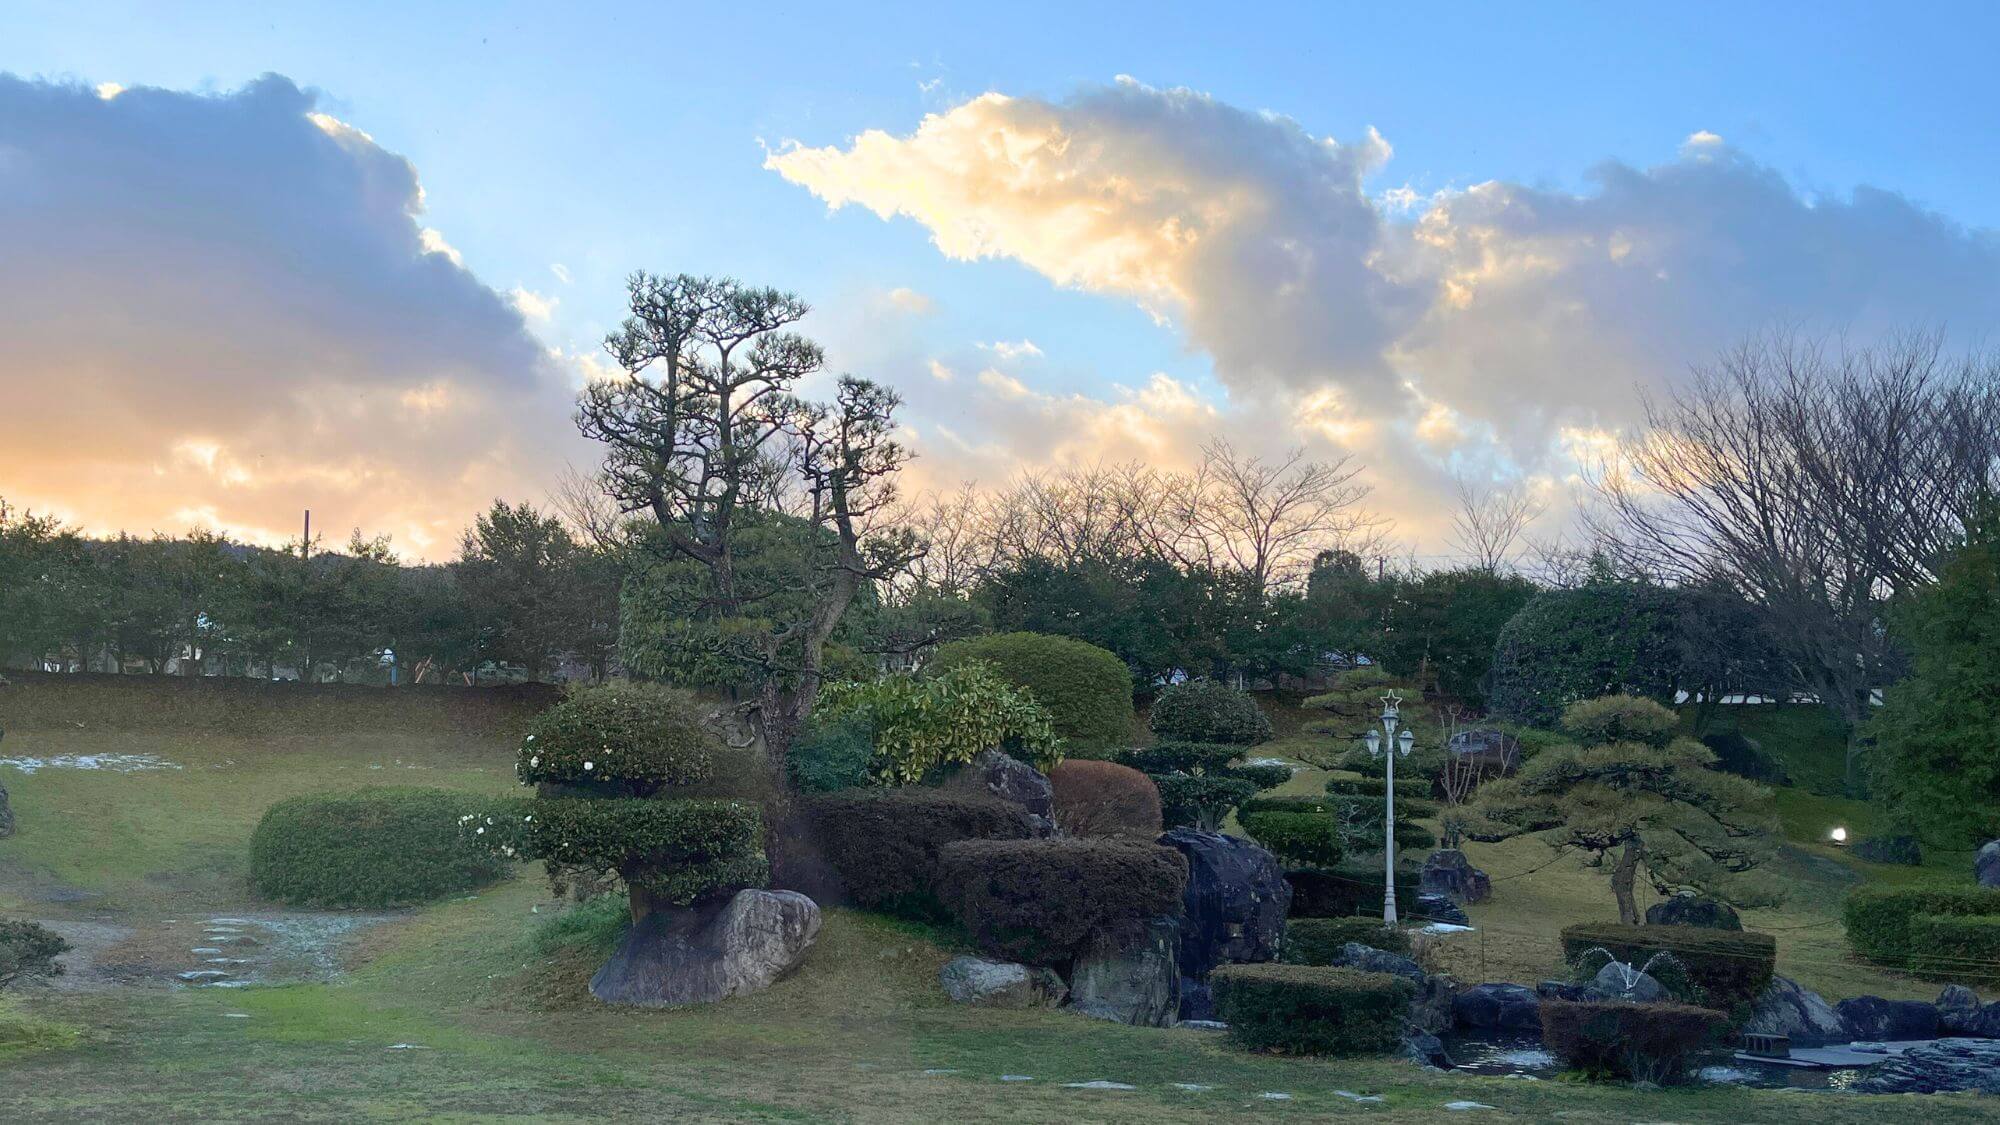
369 848
1651 1042
1086 690
1039 901
1182 757
1200 800
643 736
884 843
1105 799
1310 1010
1318 941
1206 711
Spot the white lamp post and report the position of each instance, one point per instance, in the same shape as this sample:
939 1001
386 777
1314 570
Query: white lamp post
1398 746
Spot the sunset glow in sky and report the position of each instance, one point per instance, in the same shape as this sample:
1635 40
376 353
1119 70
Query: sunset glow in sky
359 260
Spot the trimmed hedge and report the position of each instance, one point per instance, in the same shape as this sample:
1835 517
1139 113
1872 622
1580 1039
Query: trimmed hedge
1200 801
1086 690
1729 966
1653 1042
678 850
1039 901
1104 799
884 843
1878 919
1310 1010
1317 941
1299 838
644 736
1955 946
369 848
1353 889
1206 711
1181 757
1263 777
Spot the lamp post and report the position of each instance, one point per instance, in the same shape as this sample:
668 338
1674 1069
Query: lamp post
1397 746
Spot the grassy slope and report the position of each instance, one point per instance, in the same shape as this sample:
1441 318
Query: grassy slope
510 1033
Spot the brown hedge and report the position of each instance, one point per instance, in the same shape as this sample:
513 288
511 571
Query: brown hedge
1731 967
1105 799
884 843
1038 901
1646 1041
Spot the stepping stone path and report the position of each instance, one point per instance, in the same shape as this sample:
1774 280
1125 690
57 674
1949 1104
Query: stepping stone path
1017 1078
1354 1097
1192 1087
237 952
1275 1096
1099 1084
1466 1105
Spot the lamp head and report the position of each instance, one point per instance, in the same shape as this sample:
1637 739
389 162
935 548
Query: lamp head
1373 741
1405 741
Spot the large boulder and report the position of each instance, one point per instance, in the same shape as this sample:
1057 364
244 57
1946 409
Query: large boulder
1619 981
1430 1008
1447 872
1875 1019
995 774
1130 977
1788 1008
1960 1013
1498 1007
702 954
1424 1049
1000 984
1986 865
1948 1066
1693 910
1235 907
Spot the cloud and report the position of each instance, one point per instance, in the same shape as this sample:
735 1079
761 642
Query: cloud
228 306
906 300
1013 350
1493 323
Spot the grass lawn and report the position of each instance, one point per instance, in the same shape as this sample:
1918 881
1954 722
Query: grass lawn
450 1013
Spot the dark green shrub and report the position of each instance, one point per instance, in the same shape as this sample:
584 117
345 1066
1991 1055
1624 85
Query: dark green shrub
1299 838
832 755
1181 757
1604 638
675 851
1878 919
29 949
1651 1042
1955 946
1352 889
1206 711
1729 966
1086 690
1309 1010
1200 801
1414 791
1739 754
1039 901
884 843
369 848
1318 941
1105 799
645 736
1268 776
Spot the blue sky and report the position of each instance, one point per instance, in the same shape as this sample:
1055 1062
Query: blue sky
606 138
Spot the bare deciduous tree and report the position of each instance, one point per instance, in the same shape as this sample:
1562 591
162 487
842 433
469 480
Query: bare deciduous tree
1490 521
1269 518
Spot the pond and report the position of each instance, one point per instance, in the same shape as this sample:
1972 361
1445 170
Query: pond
1521 1055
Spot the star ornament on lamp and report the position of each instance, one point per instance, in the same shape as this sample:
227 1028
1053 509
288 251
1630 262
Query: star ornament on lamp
1401 744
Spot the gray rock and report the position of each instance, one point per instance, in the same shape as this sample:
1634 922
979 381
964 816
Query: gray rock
1947 1066
1234 910
1430 1008
1619 981
1447 872
1016 782
1368 959
1787 1008
1498 1007
1425 1050
1693 910
702 954
1986 865
1434 907
1871 1017
1132 978
1560 990
1000 984
1958 1009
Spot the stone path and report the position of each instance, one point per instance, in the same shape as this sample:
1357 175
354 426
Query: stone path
1107 1085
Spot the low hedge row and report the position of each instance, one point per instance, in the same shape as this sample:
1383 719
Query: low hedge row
1956 946
1298 838
1310 1010
1653 1042
884 843
1318 941
1879 919
1730 967
1182 757
369 848
1039 901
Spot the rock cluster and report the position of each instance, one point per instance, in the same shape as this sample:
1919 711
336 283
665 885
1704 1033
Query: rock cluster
1873 1018
1235 907
1692 910
1947 1066
1498 1007
1001 984
1788 1008
1447 872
